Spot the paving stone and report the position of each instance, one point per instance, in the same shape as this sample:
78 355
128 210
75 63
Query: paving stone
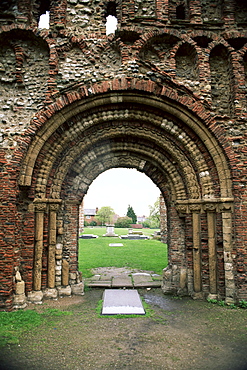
149 284
100 284
95 278
120 281
118 301
141 279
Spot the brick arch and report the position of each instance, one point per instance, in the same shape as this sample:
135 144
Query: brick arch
50 119
159 141
143 126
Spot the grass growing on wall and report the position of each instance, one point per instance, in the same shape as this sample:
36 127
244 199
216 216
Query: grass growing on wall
150 255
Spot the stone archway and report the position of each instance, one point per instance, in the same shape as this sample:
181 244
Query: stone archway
83 137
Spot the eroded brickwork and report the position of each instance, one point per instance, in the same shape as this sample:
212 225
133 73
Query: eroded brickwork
165 94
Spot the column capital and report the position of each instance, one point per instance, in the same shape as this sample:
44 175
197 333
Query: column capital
54 207
210 207
40 207
226 207
182 209
196 207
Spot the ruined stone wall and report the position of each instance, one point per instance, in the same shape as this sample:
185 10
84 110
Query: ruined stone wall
197 49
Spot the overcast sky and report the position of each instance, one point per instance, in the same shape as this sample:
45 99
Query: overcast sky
120 187
111 22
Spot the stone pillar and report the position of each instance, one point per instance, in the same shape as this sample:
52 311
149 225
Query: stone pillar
196 226
53 208
163 220
212 253
227 246
65 273
38 249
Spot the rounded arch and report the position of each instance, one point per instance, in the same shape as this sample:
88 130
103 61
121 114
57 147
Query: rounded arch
165 117
83 135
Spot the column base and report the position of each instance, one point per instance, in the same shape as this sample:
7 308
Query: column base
64 291
50 293
77 289
212 296
19 301
36 296
198 295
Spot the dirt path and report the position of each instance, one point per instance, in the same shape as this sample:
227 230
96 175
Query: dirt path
181 335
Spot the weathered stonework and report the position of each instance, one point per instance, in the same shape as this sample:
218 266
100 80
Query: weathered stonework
165 94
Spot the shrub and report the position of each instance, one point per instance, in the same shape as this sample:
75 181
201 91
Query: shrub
123 222
146 224
243 304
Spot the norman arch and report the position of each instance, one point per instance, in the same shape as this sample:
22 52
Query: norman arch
136 128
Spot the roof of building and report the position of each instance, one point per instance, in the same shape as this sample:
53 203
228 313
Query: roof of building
90 212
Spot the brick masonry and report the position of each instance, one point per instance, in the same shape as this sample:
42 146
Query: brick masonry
165 94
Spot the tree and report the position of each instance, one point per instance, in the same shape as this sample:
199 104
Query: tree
154 215
131 214
123 222
105 215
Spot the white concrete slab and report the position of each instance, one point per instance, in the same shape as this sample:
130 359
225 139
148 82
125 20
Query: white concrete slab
119 301
116 245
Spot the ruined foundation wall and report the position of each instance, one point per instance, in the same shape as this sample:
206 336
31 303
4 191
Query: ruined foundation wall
199 51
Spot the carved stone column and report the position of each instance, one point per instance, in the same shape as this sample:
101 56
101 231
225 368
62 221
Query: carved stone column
226 210
196 225
40 209
53 208
212 253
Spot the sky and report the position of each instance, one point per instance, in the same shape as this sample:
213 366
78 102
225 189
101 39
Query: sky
120 187
111 23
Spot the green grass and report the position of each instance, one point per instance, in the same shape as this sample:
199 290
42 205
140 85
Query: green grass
14 324
150 255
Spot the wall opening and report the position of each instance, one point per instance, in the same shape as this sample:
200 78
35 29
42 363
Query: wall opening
44 19
111 18
117 188
180 12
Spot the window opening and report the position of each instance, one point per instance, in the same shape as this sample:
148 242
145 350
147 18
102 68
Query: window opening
44 20
111 18
111 24
180 12
44 13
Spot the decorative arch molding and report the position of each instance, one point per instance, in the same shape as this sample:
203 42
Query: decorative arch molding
155 130
150 136
52 118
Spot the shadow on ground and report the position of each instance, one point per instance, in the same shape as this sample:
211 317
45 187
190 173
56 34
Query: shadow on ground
181 334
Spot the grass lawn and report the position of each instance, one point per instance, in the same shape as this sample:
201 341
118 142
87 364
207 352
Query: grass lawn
14 324
150 255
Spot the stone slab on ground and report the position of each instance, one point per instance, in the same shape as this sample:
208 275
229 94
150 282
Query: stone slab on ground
134 237
88 236
95 278
149 284
125 302
122 281
99 284
137 279
116 245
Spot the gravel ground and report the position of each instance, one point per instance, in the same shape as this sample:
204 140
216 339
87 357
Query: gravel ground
181 334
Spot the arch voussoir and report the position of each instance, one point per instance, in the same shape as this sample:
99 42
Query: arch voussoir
138 126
